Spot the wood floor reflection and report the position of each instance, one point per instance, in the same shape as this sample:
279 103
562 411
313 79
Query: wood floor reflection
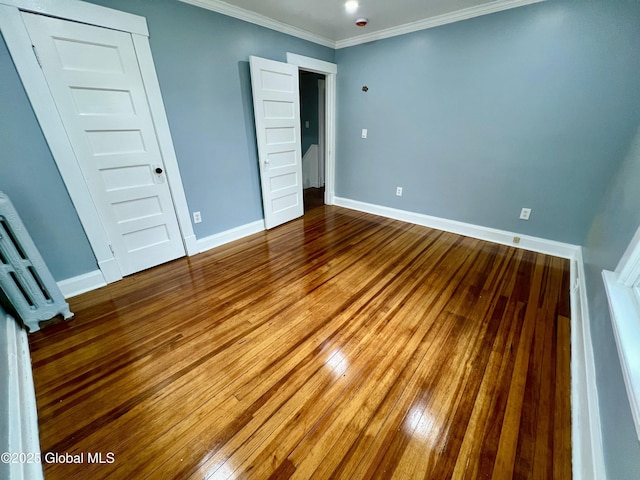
340 345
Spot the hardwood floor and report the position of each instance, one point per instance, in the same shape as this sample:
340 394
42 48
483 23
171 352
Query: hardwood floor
313 198
340 345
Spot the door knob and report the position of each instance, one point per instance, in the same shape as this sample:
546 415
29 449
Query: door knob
158 170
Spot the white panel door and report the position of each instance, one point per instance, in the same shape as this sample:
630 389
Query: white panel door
95 81
276 106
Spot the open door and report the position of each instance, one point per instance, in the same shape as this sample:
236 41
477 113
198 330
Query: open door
276 106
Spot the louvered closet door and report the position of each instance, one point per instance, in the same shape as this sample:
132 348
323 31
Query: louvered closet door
95 81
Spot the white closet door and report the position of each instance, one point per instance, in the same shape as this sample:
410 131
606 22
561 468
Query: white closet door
95 81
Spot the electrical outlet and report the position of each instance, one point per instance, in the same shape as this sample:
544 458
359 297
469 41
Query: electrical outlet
525 213
399 191
516 239
306 124
197 218
364 133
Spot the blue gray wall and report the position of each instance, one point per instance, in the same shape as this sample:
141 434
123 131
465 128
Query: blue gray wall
201 58
533 107
615 222
527 107
202 61
530 107
29 176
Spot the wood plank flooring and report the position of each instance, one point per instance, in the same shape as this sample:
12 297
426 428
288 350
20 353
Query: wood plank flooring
313 198
340 345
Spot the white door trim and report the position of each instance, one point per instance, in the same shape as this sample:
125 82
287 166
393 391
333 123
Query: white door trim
322 123
165 142
329 70
84 12
32 77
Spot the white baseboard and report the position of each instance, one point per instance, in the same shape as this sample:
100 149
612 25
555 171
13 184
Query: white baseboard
212 241
535 244
588 454
191 245
82 283
92 280
110 269
21 435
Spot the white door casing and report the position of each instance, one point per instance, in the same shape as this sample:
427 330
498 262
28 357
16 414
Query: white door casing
322 102
95 81
276 105
330 71
19 45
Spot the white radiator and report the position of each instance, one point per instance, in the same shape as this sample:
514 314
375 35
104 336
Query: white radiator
25 280
19 443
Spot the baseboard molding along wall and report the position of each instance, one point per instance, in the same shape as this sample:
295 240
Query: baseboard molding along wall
535 244
218 239
588 453
588 457
81 284
17 403
93 280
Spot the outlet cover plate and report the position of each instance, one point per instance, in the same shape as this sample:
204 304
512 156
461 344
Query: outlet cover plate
525 213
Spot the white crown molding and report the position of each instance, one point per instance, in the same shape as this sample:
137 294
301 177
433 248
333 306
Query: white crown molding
464 14
257 19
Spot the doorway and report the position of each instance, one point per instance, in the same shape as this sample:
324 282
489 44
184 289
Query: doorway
327 126
312 126
276 103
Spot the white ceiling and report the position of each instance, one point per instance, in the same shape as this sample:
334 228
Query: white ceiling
327 22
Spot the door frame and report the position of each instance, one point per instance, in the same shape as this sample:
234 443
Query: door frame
329 70
322 137
19 44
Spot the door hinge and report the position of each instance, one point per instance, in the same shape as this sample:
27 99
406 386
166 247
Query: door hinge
35 52
112 252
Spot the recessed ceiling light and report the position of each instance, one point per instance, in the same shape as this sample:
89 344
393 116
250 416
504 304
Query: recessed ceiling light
351 6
